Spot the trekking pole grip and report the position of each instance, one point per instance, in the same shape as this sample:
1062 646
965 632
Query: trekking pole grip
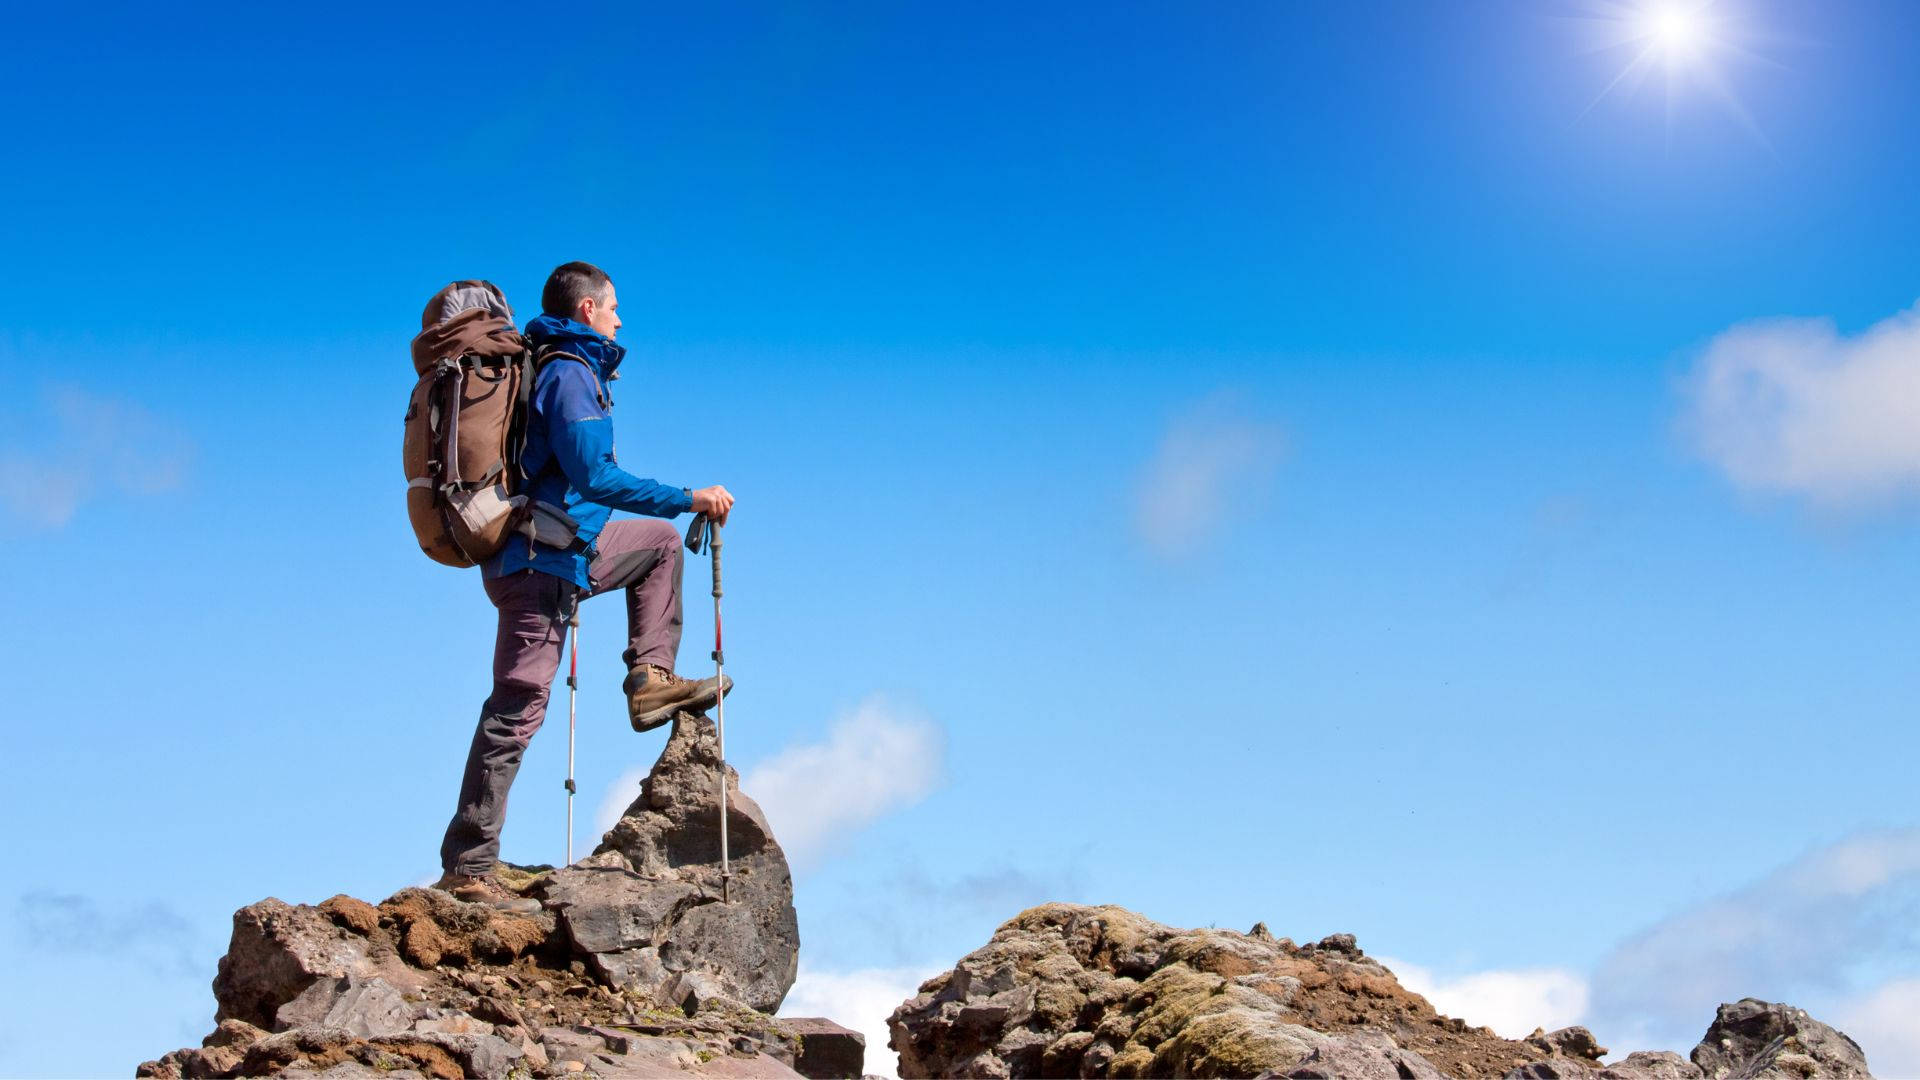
715 533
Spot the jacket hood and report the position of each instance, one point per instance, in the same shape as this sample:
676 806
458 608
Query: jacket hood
577 338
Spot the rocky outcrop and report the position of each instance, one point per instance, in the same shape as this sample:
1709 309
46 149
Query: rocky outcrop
1065 990
1752 1039
645 908
634 965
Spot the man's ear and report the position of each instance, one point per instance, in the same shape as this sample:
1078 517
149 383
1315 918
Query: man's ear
583 311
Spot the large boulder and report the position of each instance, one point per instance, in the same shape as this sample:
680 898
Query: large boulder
1751 1039
278 950
650 910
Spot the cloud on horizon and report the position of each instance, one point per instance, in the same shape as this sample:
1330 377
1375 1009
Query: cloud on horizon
1827 932
1882 1022
862 1000
1512 1003
1792 407
77 446
1213 461
1833 932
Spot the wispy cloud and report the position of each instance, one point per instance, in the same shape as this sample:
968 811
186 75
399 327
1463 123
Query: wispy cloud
1512 1003
151 935
860 999
1883 1022
1792 407
1833 932
78 446
619 795
1213 462
1829 932
879 757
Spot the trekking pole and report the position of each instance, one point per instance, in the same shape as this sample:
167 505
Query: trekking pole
573 692
720 717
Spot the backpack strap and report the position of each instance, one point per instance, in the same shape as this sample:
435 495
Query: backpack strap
549 353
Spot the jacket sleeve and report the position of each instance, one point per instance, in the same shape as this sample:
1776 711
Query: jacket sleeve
582 434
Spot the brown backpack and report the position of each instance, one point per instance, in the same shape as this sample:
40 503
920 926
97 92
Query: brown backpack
465 425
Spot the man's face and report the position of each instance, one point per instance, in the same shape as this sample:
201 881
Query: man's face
604 318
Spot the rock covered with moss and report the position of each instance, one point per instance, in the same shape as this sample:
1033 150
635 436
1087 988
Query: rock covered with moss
1072 991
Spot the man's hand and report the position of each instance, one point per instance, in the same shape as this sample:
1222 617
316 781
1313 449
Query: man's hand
714 502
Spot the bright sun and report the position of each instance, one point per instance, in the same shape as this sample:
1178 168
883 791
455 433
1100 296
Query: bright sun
1674 30
1687 45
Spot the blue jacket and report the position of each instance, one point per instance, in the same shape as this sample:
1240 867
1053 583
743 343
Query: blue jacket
569 453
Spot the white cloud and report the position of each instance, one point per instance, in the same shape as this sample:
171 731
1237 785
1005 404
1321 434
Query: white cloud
1212 463
1823 931
861 1000
1512 1003
620 795
1789 406
879 757
80 445
1884 1023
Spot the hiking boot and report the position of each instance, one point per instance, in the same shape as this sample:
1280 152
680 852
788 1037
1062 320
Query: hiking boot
655 694
486 892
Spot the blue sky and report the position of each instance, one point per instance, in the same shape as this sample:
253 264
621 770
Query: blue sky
1318 464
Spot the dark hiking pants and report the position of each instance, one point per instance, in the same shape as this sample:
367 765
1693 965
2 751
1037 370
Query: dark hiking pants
641 556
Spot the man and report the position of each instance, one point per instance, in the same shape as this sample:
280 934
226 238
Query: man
569 463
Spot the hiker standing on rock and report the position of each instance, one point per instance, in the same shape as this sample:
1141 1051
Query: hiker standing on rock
569 464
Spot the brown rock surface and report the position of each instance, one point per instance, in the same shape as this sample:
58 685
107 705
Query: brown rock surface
634 966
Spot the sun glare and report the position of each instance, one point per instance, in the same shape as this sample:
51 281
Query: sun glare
1674 30
1686 45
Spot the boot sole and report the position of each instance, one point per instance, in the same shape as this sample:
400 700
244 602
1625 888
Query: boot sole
698 703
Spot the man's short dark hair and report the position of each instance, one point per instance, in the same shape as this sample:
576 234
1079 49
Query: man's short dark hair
571 283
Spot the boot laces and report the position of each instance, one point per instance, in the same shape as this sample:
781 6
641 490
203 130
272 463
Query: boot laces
659 675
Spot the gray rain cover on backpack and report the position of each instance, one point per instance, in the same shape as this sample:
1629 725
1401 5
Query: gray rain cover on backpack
465 424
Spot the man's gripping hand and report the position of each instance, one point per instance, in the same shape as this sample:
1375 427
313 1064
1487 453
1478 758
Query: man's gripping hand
714 502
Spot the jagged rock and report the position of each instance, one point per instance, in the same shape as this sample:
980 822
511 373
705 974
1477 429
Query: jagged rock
1558 1068
1640 1065
1361 1055
277 951
479 1054
1753 1039
1065 990
1573 1042
1651 1065
827 1050
647 905
368 1008
1100 991
634 966
452 1024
